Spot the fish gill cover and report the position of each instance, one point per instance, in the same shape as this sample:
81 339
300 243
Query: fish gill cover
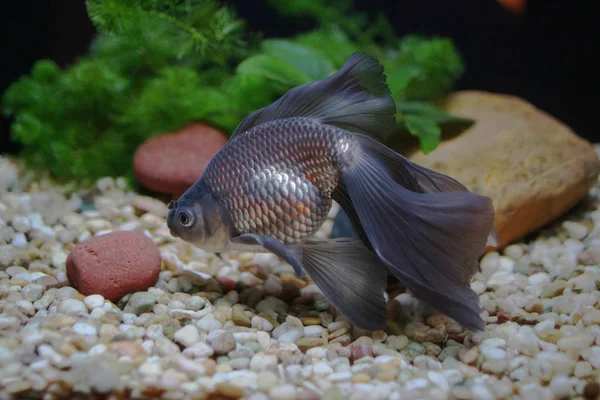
157 65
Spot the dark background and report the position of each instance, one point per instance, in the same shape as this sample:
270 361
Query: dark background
543 55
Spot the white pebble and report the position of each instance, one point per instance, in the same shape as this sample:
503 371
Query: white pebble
199 350
187 336
592 355
261 324
494 342
501 278
209 323
81 328
478 287
9 322
20 223
313 331
493 353
291 336
59 258
72 306
97 349
489 263
15 270
26 307
514 251
544 325
97 313
439 379
96 225
317 352
262 361
19 240
562 387
150 368
575 230
539 279
44 233
322 368
414 384
94 301
340 376
36 221
506 264
85 235
283 392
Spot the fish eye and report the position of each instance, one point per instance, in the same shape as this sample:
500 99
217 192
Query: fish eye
185 219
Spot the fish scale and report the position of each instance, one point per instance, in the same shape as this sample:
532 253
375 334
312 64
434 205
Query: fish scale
286 192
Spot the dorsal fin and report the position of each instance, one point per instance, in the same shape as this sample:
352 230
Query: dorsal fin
355 98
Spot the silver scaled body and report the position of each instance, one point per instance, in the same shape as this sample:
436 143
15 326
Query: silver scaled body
277 179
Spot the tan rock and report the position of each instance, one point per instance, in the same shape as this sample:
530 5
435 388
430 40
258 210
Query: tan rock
532 166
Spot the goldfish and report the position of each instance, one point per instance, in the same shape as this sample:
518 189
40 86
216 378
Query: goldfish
270 188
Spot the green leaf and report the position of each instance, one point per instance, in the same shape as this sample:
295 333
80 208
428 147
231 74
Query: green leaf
429 111
399 78
331 42
310 62
438 61
428 132
273 69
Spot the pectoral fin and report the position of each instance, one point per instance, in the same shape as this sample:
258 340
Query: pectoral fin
291 255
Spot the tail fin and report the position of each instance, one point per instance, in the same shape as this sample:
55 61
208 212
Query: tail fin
430 241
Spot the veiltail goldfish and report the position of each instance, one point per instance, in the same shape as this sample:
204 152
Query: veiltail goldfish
270 188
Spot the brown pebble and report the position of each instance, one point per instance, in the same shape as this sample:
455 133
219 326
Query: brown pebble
239 317
130 349
306 321
344 340
385 376
269 318
227 284
338 333
359 351
468 356
293 280
19 282
289 292
114 264
361 378
306 343
591 390
436 319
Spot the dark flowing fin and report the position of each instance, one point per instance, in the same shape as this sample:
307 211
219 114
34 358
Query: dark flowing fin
355 98
430 241
417 178
291 255
351 277
431 181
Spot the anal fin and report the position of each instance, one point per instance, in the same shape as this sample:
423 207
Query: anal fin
350 276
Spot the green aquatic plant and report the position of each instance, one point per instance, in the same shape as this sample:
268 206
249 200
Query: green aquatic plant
156 65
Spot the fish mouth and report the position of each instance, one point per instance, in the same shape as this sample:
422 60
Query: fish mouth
170 216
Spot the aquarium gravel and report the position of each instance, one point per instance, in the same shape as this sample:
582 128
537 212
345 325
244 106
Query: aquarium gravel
244 326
